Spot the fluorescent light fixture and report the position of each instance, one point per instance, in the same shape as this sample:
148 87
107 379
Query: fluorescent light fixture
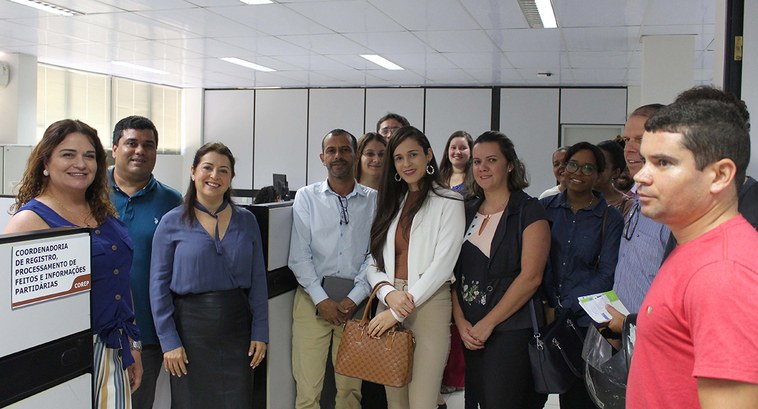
139 67
382 62
247 64
257 1
538 13
48 7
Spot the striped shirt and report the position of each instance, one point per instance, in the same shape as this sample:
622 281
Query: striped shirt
643 242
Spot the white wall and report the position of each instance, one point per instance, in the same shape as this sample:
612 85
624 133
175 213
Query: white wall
18 100
750 79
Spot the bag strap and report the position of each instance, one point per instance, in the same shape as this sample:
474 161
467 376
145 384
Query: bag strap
378 285
533 313
602 238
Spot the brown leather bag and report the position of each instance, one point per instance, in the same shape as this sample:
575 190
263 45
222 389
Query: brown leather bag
386 360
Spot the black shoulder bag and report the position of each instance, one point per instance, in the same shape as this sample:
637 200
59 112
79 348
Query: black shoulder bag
555 352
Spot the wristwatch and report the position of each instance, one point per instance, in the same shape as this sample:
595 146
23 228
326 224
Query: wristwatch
136 345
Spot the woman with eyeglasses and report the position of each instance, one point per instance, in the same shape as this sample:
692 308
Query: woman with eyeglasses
415 240
584 247
368 167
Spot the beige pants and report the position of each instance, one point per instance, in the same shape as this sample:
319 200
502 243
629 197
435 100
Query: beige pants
430 324
310 347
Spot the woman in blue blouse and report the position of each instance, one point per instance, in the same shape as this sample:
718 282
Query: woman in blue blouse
65 184
584 247
208 290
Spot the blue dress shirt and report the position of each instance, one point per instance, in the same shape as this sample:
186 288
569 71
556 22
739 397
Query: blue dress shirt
574 249
322 245
185 261
141 213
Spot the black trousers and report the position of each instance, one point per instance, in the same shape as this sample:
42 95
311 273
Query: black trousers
152 362
215 330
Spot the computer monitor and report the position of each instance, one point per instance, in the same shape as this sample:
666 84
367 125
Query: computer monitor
281 186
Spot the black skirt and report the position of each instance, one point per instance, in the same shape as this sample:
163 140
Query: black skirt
214 328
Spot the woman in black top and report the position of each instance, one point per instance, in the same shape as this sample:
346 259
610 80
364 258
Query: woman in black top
499 270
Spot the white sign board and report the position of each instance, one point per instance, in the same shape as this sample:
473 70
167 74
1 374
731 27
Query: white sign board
49 269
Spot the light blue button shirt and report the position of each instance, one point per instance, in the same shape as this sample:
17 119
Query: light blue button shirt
641 250
321 245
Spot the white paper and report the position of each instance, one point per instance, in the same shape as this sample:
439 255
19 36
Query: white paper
595 304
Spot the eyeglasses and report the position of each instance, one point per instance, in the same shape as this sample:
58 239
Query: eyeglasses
344 215
587 169
631 222
388 130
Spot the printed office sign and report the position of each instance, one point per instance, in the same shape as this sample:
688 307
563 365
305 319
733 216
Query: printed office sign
49 269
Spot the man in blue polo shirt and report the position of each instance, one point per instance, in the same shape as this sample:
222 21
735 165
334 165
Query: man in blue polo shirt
141 201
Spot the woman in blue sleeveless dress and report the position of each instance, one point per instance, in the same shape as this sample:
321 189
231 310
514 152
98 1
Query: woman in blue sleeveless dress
65 184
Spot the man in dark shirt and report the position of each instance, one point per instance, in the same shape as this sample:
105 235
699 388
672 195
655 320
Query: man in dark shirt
141 201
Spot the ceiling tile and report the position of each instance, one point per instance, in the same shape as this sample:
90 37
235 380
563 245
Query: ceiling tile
419 15
458 41
527 39
496 14
389 42
200 22
486 61
347 16
596 39
543 60
326 44
272 19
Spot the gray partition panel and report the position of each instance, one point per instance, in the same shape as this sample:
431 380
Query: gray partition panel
529 116
408 102
281 117
228 118
453 109
329 109
593 105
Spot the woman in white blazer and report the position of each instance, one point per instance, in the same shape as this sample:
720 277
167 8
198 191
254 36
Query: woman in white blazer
415 240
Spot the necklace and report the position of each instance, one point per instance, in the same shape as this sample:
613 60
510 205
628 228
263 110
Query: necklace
83 221
576 209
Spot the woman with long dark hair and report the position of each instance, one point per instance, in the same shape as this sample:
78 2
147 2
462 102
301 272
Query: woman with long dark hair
65 185
208 290
415 240
499 270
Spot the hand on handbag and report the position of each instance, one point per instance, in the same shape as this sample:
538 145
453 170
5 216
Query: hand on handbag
381 323
401 302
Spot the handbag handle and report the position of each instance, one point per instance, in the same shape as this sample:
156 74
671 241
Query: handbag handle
378 285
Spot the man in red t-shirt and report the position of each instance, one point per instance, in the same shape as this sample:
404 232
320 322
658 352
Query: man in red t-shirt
697 342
